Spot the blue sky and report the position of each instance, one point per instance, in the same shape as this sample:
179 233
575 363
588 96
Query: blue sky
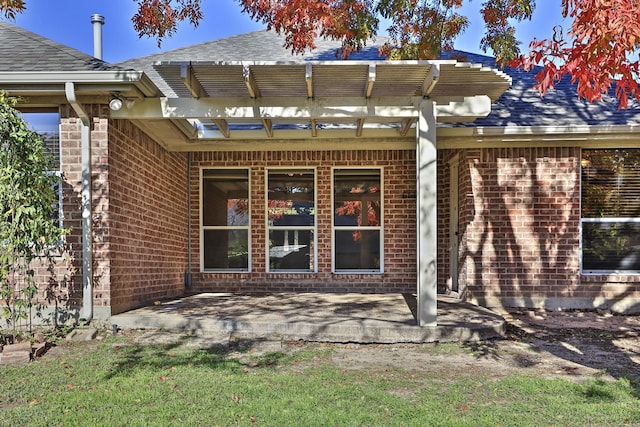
68 22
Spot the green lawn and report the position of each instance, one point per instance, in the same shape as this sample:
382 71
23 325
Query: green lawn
119 383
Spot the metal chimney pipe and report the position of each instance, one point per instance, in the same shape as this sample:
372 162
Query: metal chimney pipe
97 21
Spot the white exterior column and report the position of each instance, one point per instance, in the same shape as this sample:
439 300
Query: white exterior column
426 204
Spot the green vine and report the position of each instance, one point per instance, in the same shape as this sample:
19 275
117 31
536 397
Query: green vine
29 219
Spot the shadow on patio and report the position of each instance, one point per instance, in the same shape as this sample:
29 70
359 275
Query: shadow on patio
325 317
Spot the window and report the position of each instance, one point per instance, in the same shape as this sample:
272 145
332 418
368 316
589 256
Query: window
291 220
47 125
610 212
357 220
225 220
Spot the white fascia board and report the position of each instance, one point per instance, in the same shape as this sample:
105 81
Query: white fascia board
618 136
332 63
136 78
504 131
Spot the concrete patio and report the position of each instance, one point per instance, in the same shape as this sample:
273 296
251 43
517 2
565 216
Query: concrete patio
322 317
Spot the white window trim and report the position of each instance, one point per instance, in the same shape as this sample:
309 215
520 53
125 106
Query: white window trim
313 228
218 227
380 228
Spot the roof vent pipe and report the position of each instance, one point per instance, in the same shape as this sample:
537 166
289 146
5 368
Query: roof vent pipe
97 21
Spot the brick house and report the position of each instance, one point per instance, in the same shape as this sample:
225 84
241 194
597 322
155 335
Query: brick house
232 166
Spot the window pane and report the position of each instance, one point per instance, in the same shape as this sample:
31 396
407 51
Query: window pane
357 250
225 198
226 249
47 126
291 198
357 198
611 183
291 250
611 246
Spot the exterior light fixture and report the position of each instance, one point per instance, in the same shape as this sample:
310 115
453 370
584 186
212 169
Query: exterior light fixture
116 102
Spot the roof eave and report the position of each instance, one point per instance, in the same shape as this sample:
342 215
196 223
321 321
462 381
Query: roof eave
564 135
44 82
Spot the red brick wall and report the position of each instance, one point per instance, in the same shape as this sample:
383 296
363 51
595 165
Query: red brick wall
139 206
147 219
399 222
522 224
61 281
520 232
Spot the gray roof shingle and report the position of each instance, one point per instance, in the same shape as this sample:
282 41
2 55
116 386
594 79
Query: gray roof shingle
522 105
22 50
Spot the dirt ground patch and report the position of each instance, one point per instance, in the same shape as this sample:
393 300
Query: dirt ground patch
574 345
571 344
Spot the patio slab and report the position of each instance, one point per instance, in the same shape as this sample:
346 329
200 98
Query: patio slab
322 317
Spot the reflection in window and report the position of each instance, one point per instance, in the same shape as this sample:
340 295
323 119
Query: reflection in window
357 220
225 219
47 125
610 216
291 220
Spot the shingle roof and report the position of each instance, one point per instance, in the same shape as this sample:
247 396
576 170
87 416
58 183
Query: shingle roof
522 105
22 50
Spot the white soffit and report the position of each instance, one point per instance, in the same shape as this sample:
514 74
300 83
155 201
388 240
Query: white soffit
249 100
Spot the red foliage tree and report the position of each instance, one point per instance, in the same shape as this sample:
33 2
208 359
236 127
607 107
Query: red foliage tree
601 51
599 54
160 18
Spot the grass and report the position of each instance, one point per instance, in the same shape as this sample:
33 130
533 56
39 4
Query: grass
120 383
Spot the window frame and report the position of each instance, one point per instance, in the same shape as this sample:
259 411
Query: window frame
313 228
203 228
600 220
379 228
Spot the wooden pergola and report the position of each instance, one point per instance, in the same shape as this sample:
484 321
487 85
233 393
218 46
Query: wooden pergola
263 105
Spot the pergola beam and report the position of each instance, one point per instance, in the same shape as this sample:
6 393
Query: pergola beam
371 80
406 125
359 127
308 77
223 127
324 109
268 127
250 82
191 82
431 80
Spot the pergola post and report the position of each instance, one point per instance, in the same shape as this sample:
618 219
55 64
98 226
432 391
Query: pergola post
426 204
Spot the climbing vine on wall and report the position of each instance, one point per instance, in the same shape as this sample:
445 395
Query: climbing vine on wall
29 219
